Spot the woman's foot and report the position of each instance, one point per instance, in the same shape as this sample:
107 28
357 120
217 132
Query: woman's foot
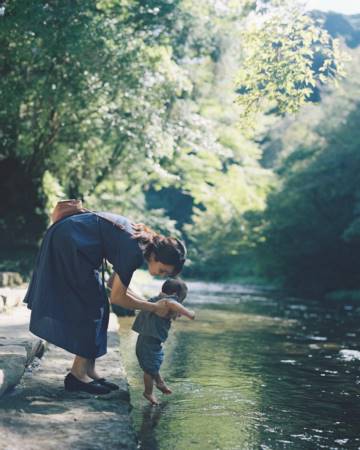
94 376
152 399
108 384
91 372
73 384
81 377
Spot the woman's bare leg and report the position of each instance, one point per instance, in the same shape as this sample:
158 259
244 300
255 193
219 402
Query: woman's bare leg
80 369
148 393
91 370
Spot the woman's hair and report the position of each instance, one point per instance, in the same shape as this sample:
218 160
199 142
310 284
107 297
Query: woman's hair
167 250
175 286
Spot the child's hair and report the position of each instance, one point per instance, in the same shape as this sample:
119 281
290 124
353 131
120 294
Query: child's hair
175 286
167 250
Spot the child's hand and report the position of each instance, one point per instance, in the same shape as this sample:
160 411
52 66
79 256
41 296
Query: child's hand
164 308
179 310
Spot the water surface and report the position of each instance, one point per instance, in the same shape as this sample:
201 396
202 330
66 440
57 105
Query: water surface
254 371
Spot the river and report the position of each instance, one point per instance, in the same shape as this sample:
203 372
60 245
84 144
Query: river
255 370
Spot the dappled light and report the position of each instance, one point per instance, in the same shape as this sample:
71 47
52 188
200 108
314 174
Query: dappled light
213 140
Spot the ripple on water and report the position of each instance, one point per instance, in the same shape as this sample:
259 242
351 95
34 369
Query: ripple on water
349 355
253 372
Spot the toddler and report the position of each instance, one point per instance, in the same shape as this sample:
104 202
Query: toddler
153 331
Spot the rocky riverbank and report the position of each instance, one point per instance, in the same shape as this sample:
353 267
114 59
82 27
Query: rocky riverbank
38 413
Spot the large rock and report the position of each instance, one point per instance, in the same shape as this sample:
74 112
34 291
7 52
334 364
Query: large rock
11 297
10 279
12 366
15 356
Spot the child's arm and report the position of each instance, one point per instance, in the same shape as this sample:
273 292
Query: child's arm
177 309
123 296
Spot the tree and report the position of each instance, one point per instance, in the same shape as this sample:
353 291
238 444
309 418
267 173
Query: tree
124 95
286 56
81 94
311 223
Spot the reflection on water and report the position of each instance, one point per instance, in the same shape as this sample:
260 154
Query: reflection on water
253 372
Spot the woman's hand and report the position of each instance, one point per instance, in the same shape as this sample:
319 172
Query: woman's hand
164 308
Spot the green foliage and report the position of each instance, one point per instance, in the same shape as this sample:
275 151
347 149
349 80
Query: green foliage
82 94
311 223
52 190
115 99
220 235
285 56
116 196
302 129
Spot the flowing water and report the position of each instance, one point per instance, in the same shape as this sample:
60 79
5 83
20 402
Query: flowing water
253 371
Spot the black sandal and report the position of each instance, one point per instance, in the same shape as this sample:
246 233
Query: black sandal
72 384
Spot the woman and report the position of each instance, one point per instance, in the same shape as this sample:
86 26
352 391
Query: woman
68 301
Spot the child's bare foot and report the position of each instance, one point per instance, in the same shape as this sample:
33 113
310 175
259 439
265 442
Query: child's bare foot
152 399
163 387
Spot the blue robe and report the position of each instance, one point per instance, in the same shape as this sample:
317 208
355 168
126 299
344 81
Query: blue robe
69 305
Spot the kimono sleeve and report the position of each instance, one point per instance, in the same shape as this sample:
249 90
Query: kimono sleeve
129 258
